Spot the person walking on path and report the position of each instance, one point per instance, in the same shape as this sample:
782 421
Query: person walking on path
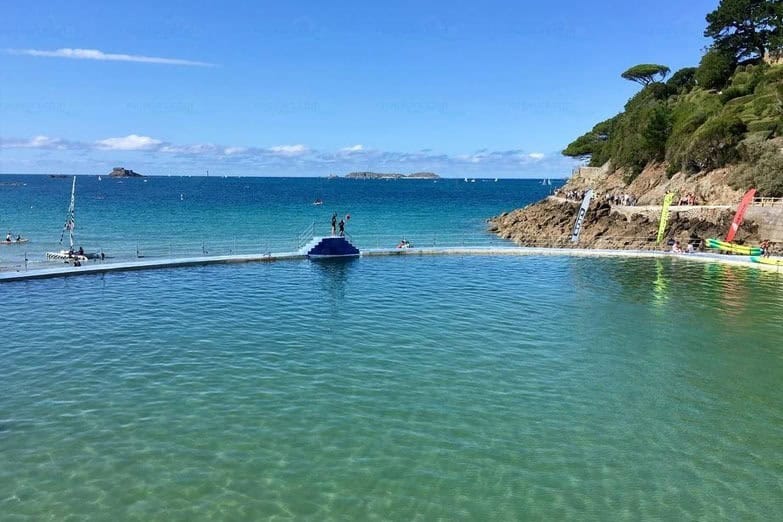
342 228
334 223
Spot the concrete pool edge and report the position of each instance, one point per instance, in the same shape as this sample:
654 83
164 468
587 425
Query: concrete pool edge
150 264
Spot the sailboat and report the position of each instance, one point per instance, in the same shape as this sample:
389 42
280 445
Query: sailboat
70 255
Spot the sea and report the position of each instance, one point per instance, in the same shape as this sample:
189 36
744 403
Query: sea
379 388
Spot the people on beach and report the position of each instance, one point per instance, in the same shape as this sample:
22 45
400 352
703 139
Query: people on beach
687 199
623 199
334 223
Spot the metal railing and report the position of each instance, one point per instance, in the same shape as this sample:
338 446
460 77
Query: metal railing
767 202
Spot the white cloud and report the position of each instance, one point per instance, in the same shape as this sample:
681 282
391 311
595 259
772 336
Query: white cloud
289 150
298 158
129 142
95 54
36 142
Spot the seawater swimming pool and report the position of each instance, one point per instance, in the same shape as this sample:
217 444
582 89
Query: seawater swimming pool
454 387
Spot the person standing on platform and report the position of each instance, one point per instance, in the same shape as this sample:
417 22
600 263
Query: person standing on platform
342 228
334 223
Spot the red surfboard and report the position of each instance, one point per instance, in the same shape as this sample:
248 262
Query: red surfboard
747 199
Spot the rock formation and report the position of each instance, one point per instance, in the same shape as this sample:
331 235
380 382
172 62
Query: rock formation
119 172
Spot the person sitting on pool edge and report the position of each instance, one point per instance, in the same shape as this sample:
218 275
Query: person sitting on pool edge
676 249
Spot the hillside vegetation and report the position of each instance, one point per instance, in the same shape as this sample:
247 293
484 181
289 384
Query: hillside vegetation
726 111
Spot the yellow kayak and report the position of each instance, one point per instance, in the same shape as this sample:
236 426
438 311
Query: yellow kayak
767 260
734 248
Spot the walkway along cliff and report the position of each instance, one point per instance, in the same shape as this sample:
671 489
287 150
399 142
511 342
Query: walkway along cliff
549 222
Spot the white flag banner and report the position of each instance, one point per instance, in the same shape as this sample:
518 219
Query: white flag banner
580 216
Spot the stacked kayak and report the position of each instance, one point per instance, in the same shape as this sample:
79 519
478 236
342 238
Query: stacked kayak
734 248
767 260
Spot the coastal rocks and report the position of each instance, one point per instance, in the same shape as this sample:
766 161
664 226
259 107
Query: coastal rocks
119 172
549 222
652 184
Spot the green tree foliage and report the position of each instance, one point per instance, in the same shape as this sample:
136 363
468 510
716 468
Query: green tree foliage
592 145
746 29
714 69
714 144
682 81
762 167
646 73
703 118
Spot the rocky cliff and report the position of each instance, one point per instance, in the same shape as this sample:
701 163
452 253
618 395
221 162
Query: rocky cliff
549 222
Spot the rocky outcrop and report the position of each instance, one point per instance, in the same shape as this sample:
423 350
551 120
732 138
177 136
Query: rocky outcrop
548 223
119 172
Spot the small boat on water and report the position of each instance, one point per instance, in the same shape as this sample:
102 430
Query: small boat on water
71 255
775 261
318 201
733 248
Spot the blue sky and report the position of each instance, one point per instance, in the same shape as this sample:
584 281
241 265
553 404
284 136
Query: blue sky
311 88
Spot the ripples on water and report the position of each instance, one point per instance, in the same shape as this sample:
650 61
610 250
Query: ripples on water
475 387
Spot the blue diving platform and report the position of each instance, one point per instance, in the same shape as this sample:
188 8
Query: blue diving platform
331 246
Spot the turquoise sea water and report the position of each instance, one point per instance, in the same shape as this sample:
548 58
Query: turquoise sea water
484 388
162 216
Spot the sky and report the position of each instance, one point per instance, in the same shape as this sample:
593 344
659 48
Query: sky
490 88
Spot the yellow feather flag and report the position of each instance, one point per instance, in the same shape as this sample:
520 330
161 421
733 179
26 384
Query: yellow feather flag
667 200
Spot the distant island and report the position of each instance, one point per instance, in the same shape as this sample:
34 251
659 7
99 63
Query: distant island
380 175
119 172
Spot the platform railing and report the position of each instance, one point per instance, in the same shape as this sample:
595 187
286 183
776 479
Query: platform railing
767 202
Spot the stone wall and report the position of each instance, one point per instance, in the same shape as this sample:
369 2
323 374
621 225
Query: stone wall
769 220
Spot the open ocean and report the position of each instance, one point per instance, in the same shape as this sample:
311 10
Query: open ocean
163 216
399 388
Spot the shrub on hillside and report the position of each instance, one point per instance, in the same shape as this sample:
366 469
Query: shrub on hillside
714 144
735 91
762 169
640 135
682 81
